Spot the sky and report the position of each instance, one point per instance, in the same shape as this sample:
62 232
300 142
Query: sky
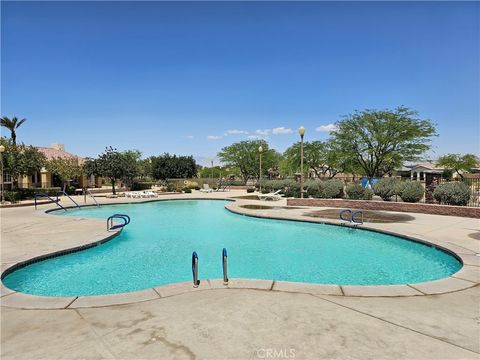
192 77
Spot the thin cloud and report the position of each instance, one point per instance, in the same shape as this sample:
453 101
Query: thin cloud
189 136
326 128
236 132
262 132
213 137
281 130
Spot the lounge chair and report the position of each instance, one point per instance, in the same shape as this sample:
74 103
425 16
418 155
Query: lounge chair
206 189
149 193
271 196
133 194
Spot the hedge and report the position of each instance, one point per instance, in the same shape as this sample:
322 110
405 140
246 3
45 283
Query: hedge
452 193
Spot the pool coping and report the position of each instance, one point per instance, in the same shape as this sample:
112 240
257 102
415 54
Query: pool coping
466 277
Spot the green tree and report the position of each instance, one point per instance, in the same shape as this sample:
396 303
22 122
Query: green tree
20 160
378 141
458 163
131 166
244 155
115 165
12 124
319 156
66 169
168 166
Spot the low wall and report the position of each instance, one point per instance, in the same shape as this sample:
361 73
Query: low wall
434 209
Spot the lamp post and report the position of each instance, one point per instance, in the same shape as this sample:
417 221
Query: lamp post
301 132
2 150
260 150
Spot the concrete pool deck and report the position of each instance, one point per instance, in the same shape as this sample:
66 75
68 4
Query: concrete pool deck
238 322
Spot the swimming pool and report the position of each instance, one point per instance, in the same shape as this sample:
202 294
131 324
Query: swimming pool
155 249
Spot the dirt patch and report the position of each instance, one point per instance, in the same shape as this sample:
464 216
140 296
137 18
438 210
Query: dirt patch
246 197
257 207
475 235
368 216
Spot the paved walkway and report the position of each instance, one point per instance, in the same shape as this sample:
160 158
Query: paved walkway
240 324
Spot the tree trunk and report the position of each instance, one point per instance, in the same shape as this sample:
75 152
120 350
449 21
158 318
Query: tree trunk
113 186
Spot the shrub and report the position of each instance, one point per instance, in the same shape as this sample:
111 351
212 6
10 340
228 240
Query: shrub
386 188
452 193
138 186
187 190
29 193
12 196
332 189
250 190
171 187
313 188
411 191
358 192
191 184
368 194
291 188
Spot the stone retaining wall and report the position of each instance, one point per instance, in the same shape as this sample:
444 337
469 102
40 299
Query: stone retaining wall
464 211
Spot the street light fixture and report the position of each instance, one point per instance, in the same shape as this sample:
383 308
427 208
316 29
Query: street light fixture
260 150
301 132
2 150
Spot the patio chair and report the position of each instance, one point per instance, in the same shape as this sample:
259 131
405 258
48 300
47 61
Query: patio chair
206 188
149 193
271 196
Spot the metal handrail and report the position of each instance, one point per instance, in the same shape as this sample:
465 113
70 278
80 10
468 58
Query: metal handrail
93 197
64 193
224 263
356 212
196 282
37 195
346 211
124 217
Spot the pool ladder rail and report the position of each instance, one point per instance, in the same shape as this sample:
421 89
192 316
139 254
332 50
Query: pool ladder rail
44 195
196 282
88 192
112 226
350 217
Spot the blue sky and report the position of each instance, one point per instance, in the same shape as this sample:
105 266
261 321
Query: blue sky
190 78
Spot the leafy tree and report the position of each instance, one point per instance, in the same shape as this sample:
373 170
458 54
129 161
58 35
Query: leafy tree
66 169
321 157
12 124
378 141
168 166
20 160
132 168
458 163
244 155
114 165
145 168
217 171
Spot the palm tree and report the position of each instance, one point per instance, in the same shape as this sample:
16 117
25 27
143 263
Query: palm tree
12 124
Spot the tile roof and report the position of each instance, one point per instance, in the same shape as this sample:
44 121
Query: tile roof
51 153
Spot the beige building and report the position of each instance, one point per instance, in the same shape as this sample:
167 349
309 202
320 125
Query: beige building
44 179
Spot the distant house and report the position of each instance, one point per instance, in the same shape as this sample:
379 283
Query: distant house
424 171
44 179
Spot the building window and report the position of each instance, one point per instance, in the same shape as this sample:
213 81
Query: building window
7 179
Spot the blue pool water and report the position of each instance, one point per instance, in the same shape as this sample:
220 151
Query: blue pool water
156 248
